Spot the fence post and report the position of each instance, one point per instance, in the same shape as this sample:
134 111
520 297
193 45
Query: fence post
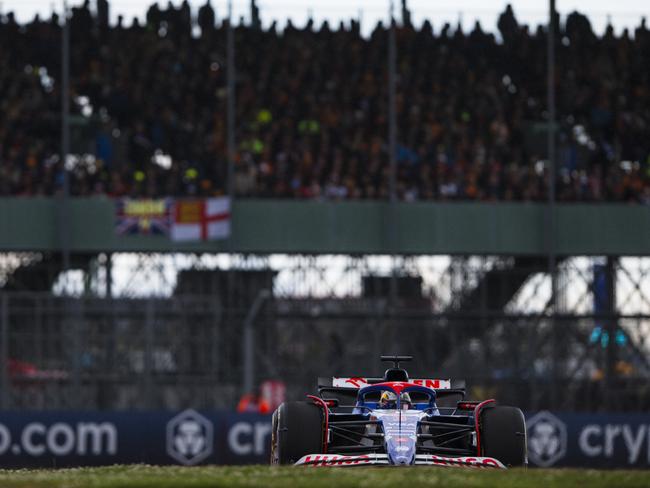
4 352
249 341
75 305
611 326
148 352
216 337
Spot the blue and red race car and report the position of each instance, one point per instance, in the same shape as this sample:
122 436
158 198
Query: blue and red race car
397 421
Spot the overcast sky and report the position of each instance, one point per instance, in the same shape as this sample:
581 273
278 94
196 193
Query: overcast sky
623 13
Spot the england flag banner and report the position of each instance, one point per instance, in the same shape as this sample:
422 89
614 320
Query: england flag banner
201 220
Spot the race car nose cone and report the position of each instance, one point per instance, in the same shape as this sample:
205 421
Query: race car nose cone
400 435
402 461
401 451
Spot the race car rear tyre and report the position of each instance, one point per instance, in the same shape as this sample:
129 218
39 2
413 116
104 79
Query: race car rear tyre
503 435
297 431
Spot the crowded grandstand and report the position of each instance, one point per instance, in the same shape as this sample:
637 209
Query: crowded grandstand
149 102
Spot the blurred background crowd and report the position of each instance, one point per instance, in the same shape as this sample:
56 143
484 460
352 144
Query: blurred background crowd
149 109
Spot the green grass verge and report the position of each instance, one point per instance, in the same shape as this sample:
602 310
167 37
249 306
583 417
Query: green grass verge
138 476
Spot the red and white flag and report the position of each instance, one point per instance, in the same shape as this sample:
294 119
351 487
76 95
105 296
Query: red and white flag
201 220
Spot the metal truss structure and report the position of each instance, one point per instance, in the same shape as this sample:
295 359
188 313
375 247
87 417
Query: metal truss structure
168 331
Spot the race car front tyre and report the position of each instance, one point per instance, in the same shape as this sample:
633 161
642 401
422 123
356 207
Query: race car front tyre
503 435
297 431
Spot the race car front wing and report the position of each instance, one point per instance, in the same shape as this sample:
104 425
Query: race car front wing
382 460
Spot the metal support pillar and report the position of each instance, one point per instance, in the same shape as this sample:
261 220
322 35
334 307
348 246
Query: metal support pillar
392 149
230 109
611 327
64 236
552 258
109 274
392 110
248 343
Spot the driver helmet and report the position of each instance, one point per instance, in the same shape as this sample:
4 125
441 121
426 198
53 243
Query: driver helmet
405 401
388 400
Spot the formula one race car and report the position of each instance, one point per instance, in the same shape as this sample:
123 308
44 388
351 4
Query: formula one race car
395 420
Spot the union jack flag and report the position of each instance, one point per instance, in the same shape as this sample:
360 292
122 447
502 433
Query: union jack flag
143 217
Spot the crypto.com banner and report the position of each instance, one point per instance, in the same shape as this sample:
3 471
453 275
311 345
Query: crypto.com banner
589 440
59 439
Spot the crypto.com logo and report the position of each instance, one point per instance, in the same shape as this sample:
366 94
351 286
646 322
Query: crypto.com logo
189 437
547 439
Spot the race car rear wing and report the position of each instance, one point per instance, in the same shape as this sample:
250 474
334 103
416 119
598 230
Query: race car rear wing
356 382
345 390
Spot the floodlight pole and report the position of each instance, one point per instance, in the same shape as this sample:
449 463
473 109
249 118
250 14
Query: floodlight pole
551 234
392 148
392 114
230 109
65 137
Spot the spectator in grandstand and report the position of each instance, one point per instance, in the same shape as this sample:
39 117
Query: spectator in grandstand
149 105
